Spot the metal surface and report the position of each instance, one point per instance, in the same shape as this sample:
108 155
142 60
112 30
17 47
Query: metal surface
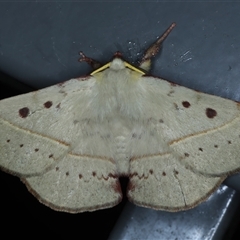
209 220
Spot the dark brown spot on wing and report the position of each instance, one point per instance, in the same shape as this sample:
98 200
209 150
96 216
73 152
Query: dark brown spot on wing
36 149
135 174
164 174
21 145
48 104
111 175
23 112
200 149
186 104
211 113
50 156
67 173
131 175
186 154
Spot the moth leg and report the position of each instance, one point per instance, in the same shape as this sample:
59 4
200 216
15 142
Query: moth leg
93 63
152 51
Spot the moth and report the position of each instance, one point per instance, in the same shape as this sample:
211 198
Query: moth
70 143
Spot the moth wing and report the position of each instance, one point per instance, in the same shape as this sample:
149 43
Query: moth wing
198 129
77 184
46 140
188 144
162 183
39 128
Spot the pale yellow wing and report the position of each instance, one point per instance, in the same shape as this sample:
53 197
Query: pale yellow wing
78 184
163 183
188 143
50 139
200 129
39 128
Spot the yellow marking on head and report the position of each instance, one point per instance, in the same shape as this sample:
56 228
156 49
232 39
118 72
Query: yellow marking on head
100 69
133 68
127 65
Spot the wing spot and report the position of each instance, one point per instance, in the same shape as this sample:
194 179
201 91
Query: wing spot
186 154
134 135
133 175
186 104
8 140
211 113
229 142
21 145
48 104
80 176
50 156
23 112
200 149
137 175
216 146
36 149
170 93
164 174
67 173
175 172
161 121
57 168
111 175
151 171
94 174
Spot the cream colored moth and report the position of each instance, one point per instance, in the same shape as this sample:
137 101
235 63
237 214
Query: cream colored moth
70 143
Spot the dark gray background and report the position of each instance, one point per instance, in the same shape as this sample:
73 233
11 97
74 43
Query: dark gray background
39 46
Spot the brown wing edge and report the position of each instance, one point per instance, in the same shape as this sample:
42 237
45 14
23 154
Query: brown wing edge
117 188
176 209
